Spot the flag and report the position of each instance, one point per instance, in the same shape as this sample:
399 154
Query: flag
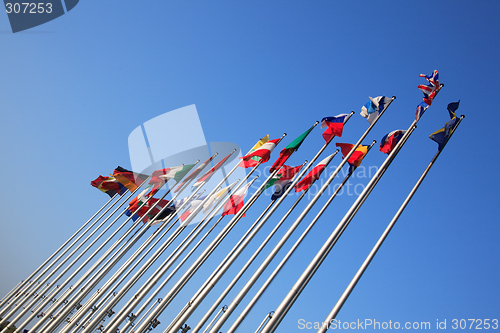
442 135
313 175
421 109
430 89
258 145
334 126
356 157
194 205
129 179
390 140
134 206
217 196
372 109
206 177
108 185
290 149
235 202
195 173
160 177
282 180
264 152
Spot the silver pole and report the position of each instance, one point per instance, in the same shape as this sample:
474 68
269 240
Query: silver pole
265 321
253 279
120 273
201 259
289 300
161 270
87 288
236 251
222 310
54 270
373 252
62 299
26 284
50 296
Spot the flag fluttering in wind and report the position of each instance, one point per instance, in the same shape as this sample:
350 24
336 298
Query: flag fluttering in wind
263 152
195 173
420 110
372 109
217 196
108 185
430 89
206 177
290 149
282 180
257 146
235 202
194 204
334 126
129 179
390 140
135 209
313 175
442 135
356 157
160 177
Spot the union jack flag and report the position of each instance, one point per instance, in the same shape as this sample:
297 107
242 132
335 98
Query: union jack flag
430 89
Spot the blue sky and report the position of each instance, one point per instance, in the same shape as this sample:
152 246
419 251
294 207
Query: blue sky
74 89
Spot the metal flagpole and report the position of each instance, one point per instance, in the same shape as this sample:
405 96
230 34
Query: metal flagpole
154 279
50 296
233 255
137 275
62 300
119 274
373 252
289 300
116 257
201 259
150 283
41 284
23 286
253 279
167 264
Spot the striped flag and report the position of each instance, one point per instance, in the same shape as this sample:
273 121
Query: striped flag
290 149
264 152
313 175
195 173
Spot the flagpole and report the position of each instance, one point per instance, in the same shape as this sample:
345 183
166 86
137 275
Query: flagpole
311 269
50 296
123 329
98 294
373 252
34 289
260 269
30 280
151 282
119 274
114 259
62 300
201 259
233 255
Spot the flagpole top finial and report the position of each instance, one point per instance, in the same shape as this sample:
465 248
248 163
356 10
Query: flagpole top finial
352 112
393 97
316 123
441 85
462 116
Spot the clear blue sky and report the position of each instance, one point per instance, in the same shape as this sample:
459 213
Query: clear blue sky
73 89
